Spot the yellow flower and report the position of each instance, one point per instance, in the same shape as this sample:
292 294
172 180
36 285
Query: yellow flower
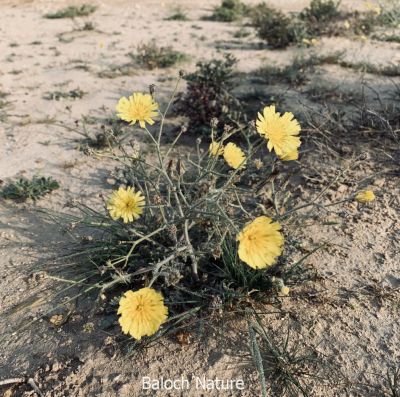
284 291
126 204
309 42
365 196
234 156
216 148
260 242
290 156
138 107
142 312
280 131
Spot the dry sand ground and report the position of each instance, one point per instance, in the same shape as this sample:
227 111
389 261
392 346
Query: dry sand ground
350 313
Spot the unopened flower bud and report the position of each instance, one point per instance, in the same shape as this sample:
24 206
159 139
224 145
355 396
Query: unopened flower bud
214 122
227 128
152 89
217 252
258 164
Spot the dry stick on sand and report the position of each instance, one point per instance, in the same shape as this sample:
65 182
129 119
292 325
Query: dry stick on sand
30 382
11 381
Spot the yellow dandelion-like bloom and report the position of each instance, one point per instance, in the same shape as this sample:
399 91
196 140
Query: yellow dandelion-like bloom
281 132
216 149
260 242
365 196
290 156
234 156
138 107
142 312
126 204
284 291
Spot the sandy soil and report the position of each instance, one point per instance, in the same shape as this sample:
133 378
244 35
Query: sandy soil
349 312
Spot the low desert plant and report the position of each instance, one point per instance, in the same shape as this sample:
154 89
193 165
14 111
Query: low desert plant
390 38
183 222
209 94
388 14
320 15
321 11
76 93
273 26
177 15
285 366
23 189
151 56
229 11
392 70
112 132
299 70
72 12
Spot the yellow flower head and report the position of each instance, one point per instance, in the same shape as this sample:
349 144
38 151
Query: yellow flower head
126 204
142 312
281 132
234 156
260 242
284 291
216 148
138 107
365 196
290 156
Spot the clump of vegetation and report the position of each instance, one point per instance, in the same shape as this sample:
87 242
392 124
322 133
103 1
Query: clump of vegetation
391 70
151 56
363 23
273 26
299 70
286 367
389 14
3 105
188 224
320 15
241 33
76 93
177 15
72 12
321 11
192 231
229 11
87 26
23 189
111 133
390 38
209 94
